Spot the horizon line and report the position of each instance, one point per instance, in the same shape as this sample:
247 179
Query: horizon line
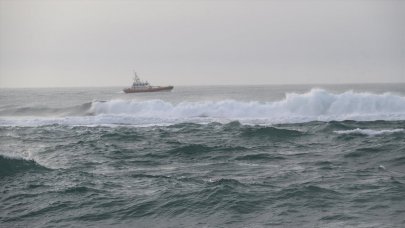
266 84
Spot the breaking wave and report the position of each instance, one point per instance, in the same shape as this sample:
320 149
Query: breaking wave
315 105
370 132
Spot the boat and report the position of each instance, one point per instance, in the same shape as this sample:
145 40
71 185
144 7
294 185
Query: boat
143 86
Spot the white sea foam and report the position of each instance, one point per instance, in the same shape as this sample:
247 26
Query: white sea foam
315 105
370 132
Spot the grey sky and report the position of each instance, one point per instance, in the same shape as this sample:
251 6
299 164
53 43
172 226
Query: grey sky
99 43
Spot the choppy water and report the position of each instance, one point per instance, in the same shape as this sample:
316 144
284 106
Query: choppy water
249 156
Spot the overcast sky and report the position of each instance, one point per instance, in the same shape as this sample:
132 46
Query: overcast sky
99 43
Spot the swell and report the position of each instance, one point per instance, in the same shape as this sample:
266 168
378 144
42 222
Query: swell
271 132
77 110
260 157
198 150
10 165
190 179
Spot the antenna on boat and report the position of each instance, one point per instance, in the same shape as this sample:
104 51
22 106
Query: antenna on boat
136 78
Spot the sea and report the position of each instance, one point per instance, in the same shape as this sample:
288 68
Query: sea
203 156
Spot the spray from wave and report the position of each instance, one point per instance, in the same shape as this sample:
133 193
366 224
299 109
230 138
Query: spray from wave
316 105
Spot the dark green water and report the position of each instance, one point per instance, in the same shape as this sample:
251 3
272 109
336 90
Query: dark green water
199 172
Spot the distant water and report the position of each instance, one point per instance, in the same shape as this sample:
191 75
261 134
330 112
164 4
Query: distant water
221 156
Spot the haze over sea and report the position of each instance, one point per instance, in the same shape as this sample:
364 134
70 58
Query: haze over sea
209 156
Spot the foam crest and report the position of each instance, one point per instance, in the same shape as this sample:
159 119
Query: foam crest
159 108
370 132
315 105
319 102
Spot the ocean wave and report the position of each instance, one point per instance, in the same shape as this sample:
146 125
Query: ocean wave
261 157
278 133
315 105
77 110
370 132
13 165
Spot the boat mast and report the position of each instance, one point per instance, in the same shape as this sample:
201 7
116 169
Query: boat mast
136 78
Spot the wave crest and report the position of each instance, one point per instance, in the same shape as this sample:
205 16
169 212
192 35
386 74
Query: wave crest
12 165
370 132
315 105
